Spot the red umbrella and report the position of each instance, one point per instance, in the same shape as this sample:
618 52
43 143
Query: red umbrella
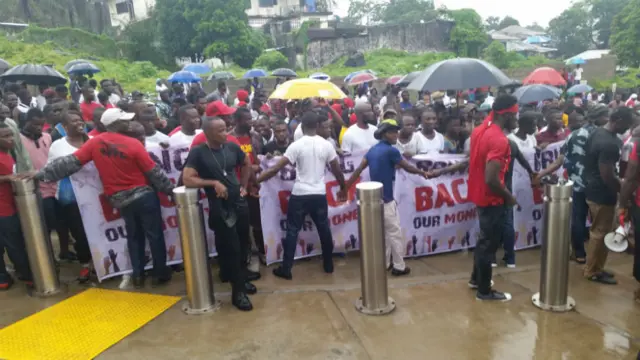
361 79
546 76
394 79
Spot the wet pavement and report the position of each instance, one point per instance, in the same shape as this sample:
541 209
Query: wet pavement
437 317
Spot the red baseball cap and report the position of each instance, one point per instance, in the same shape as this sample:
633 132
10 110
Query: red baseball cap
348 103
218 108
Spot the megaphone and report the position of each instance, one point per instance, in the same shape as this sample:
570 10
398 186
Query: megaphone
617 241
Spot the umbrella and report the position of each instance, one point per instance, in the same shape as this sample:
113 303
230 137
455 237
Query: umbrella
33 75
83 68
407 79
254 73
394 79
68 65
580 89
221 75
307 88
544 75
577 61
183 77
320 76
284 72
4 66
459 74
197 68
536 92
537 39
348 77
361 78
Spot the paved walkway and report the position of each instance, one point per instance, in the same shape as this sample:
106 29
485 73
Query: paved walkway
437 317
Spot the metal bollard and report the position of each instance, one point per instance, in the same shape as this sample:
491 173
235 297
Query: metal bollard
195 252
554 272
36 238
375 299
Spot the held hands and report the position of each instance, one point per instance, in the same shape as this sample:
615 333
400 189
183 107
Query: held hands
342 195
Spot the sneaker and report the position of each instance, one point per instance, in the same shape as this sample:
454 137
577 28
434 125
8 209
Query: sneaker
396 272
85 274
125 282
493 295
473 285
511 266
282 273
5 283
608 273
603 279
494 265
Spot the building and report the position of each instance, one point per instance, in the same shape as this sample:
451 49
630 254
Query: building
288 15
123 12
523 40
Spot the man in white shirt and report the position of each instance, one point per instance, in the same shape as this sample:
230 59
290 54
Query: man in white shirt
108 88
148 118
524 135
577 74
360 136
310 156
409 143
431 140
190 126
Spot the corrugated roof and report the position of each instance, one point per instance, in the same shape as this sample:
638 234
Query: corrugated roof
589 55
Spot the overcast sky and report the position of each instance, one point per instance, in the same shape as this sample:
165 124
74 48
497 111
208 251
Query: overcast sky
527 12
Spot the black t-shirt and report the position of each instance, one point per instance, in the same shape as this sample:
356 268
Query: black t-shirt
508 176
219 164
272 147
603 147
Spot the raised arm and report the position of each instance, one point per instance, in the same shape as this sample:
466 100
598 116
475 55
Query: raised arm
272 171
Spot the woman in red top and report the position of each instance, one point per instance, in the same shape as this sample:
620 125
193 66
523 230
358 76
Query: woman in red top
629 204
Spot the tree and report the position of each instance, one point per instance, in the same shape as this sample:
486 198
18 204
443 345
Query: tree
271 60
406 12
625 34
602 13
171 17
497 55
361 12
492 23
572 30
535 27
508 21
467 36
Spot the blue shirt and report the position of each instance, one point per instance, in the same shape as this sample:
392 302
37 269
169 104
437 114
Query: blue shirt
406 106
382 159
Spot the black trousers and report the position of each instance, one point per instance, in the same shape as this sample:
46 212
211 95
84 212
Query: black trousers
491 220
230 258
256 223
70 220
242 228
635 213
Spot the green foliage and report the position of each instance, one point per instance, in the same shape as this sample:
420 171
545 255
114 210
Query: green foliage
492 23
394 12
572 30
142 43
625 34
508 21
603 12
140 75
468 36
271 60
497 55
170 15
74 39
627 80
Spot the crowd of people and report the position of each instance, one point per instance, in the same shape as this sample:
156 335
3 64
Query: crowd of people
50 137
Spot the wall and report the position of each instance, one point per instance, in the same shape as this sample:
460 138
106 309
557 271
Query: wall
431 36
141 10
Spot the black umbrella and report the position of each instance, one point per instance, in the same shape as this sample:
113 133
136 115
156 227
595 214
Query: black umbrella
407 79
83 69
459 74
33 75
68 65
221 75
284 72
537 92
4 66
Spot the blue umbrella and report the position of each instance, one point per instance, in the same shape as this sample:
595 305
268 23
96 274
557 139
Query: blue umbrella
197 68
580 89
83 69
254 73
320 76
184 77
537 39
535 93
346 79
578 61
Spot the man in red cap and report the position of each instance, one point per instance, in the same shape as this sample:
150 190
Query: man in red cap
219 109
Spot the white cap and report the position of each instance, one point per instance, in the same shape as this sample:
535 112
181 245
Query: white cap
112 115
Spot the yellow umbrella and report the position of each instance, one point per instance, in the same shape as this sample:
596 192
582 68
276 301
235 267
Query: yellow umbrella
307 88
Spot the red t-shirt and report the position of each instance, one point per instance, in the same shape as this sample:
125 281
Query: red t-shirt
634 156
247 147
175 131
7 203
550 137
87 110
94 132
121 161
488 143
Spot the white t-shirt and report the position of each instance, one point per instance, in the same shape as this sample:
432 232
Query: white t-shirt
182 139
157 138
356 139
578 74
431 145
412 147
362 99
60 148
529 143
297 135
310 155
114 98
467 146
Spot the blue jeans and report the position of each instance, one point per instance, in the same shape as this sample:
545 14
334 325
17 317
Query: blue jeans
143 219
509 237
317 208
12 240
578 223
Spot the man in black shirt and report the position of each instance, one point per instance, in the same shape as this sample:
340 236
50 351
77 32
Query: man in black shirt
602 188
211 166
281 141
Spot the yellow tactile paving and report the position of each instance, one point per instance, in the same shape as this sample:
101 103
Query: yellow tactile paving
81 327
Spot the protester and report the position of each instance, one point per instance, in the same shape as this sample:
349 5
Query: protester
310 156
430 139
109 89
382 160
17 151
11 238
263 128
524 135
405 104
69 217
130 179
189 126
220 93
278 146
88 105
211 166
488 163
453 129
148 118
554 131
359 137
629 206
98 126
408 143
602 187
